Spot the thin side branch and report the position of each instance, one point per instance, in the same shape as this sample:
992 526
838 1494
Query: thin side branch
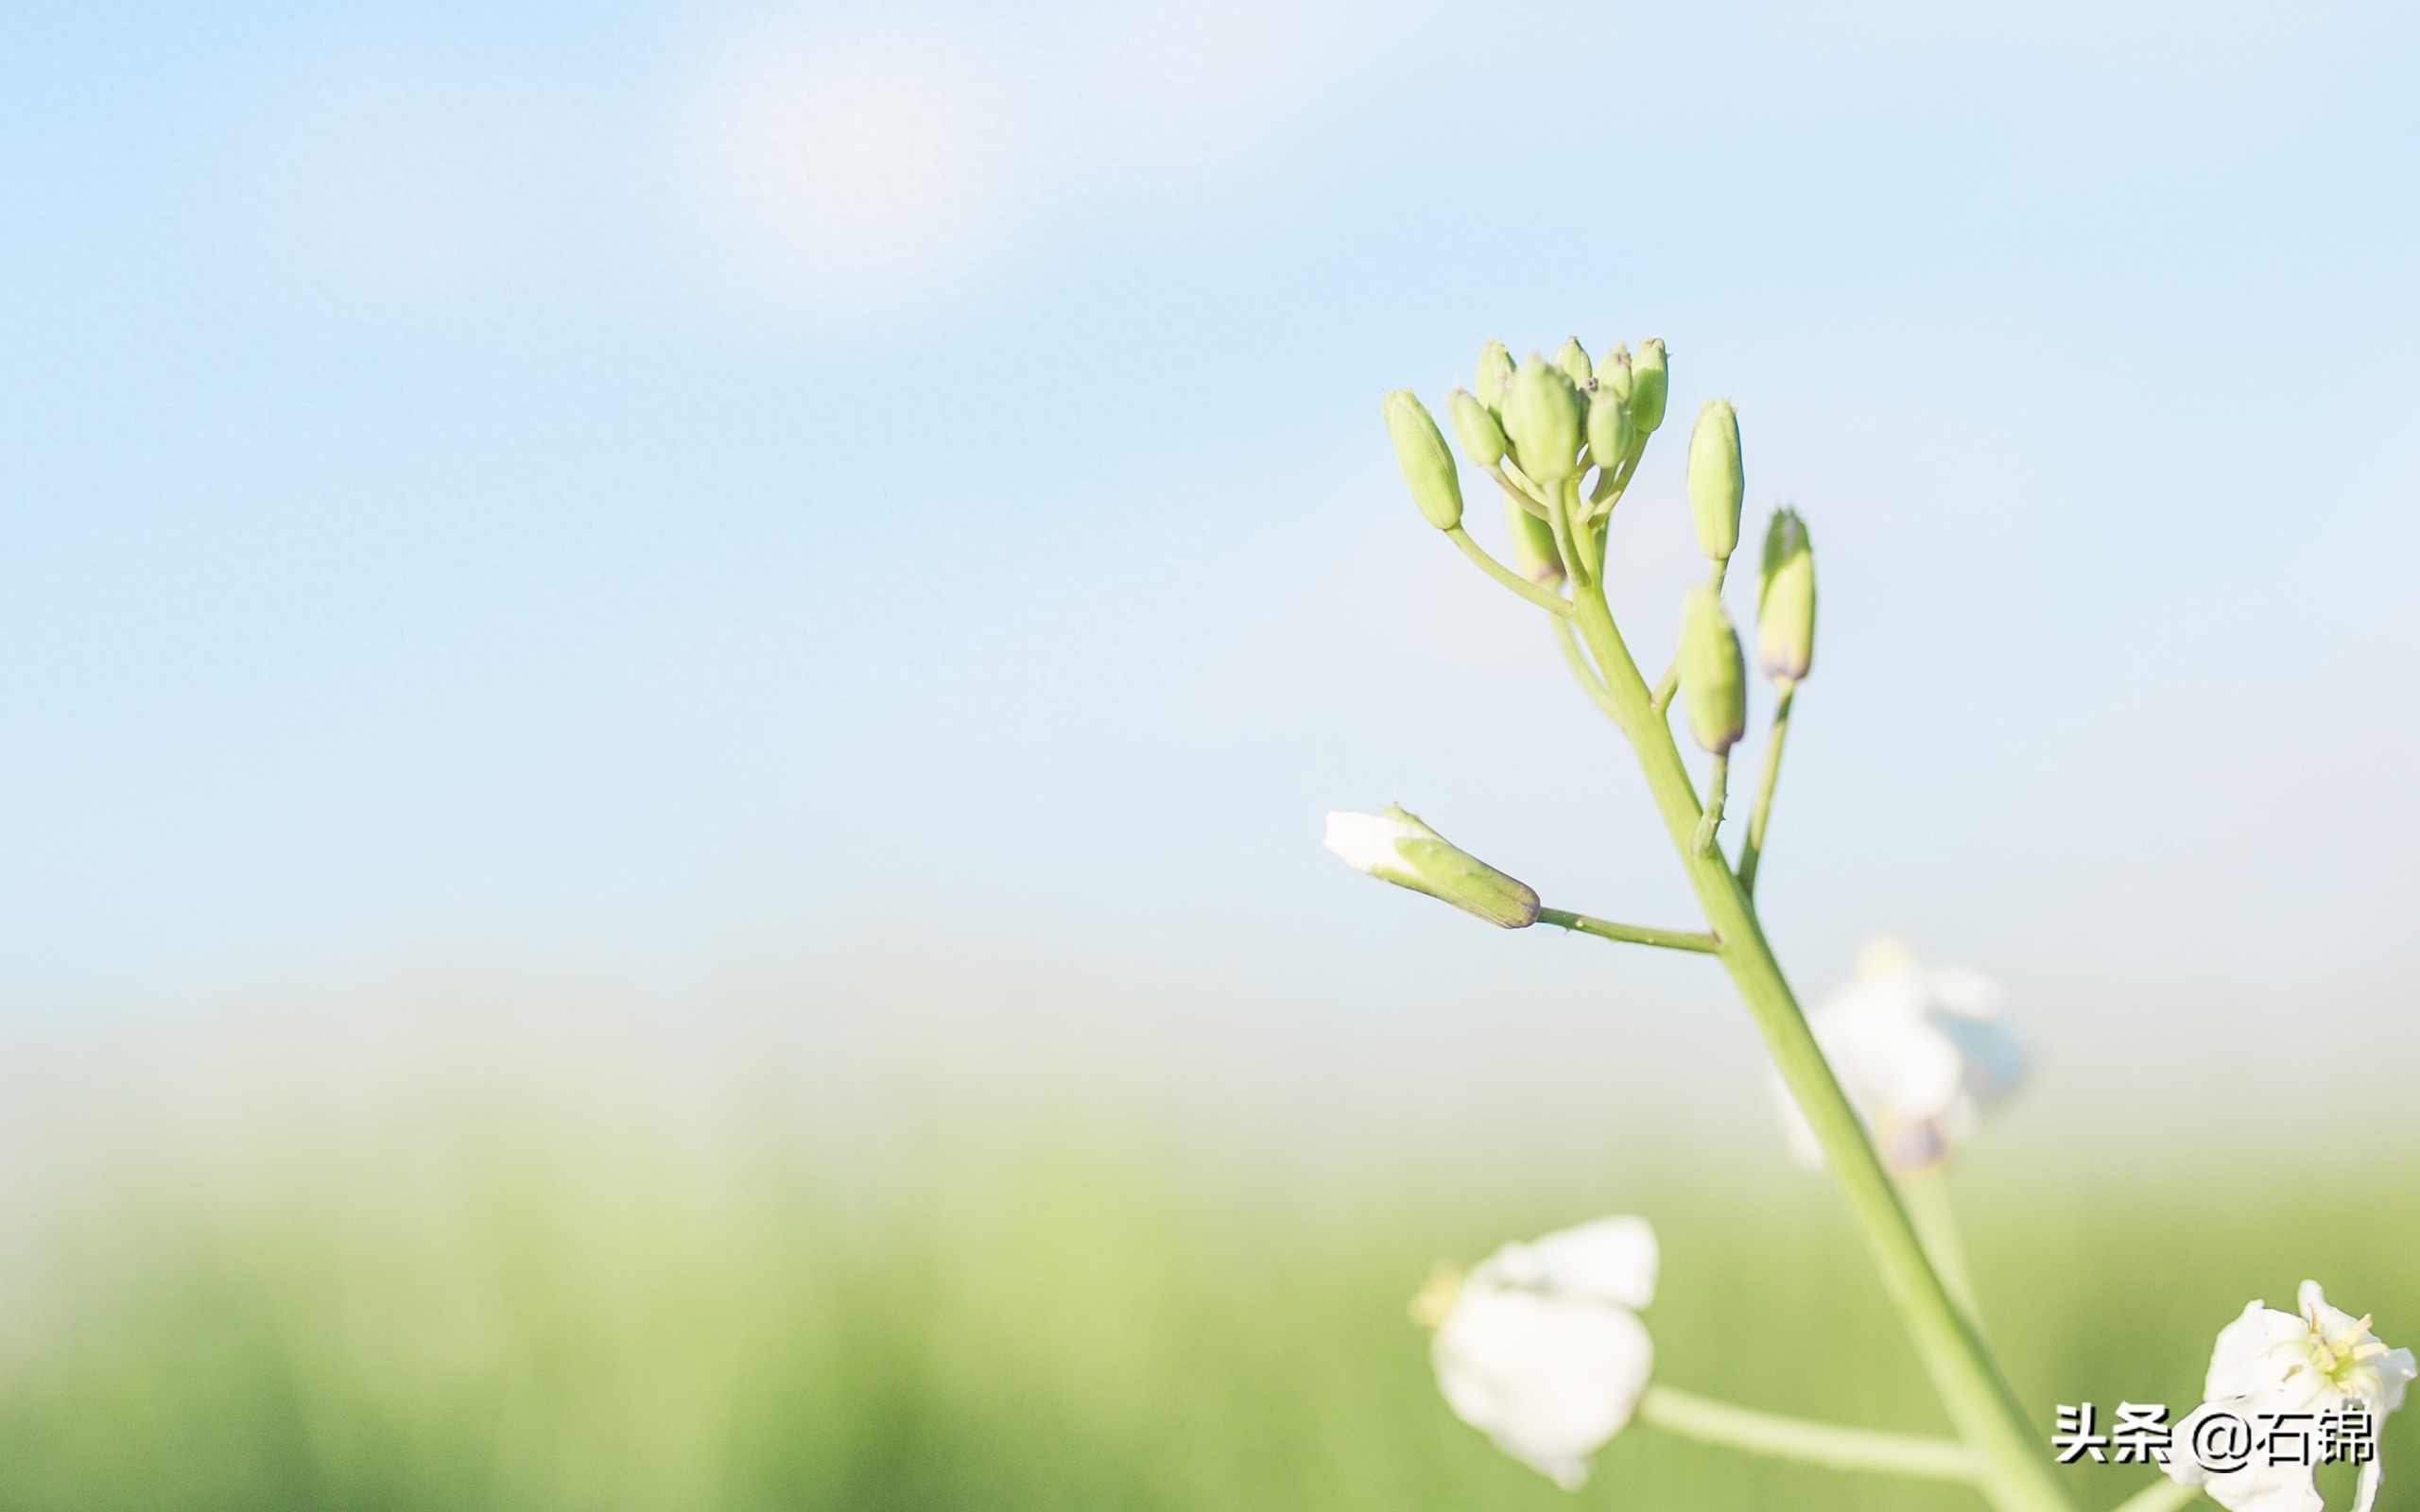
1590 683
1811 1443
1670 940
1552 603
1751 850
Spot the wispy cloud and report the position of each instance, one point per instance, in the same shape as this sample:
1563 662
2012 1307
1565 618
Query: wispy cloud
881 158
795 162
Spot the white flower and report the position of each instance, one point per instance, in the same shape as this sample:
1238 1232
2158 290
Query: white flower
2321 1360
1917 1050
1538 1347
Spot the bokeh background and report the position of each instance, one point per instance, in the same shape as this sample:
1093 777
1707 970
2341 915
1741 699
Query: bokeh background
670 673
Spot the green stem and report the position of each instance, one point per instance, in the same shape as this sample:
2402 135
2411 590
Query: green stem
1926 1195
1671 940
1552 602
1577 661
1665 686
1562 516
2162 1495
1514 482
1718 788
2017 1475
1751 850
1826 1444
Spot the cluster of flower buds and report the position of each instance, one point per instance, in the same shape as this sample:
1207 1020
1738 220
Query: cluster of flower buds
1537 424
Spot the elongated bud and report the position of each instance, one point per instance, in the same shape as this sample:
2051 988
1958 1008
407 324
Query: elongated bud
1544 419
1420 451
1573 359
1609 430
1533 548
1614 373
1495 375
1482 438
1716 482
1785 598
1649 384
1395 847
1712 677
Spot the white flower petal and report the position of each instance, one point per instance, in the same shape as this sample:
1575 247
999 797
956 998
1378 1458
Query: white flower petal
1549 1377
2254 1354
1902 1068
1964 991
1365 841
1610 1259
2395 1369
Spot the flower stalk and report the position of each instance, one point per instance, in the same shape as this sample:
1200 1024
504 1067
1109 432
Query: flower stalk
1751 849
1829 1444
2016 1474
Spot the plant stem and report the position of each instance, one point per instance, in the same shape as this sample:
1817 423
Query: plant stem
2017 1475
1552 602
1577 659
1751 850
1826 1444
1926 1195
2162 1495
1671 940
1718 788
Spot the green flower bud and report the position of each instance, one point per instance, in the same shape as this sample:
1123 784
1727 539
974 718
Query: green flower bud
1785 598
1609 429
1649 385
1573 359
1716 482
1395 847
1495 375
1482 438
1533 547
1544 418
1614 373
1420 451
1712 677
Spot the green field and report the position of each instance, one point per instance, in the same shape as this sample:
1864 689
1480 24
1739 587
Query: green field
479 1303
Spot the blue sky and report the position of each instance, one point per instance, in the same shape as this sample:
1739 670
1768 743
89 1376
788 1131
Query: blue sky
649 492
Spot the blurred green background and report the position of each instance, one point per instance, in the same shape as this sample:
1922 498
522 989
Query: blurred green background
489 1267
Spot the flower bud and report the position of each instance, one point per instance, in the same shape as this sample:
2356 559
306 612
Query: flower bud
1713 677
1533 547
1573 359
1614 373
1649 384
1609 429
1395 847
1544 418
1482 438
1420 451
1785 598
1716 482
1495 375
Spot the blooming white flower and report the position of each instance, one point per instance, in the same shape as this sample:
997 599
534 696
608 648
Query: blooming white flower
1918 1050
2320 1360
1539 1349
